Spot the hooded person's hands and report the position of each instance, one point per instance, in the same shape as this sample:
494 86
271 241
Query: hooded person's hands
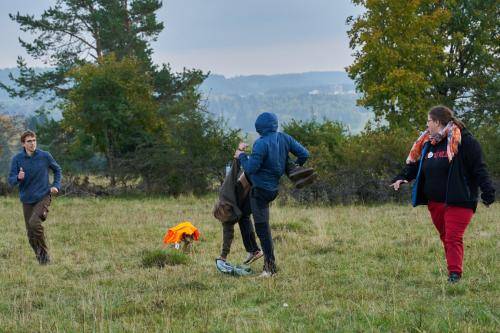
241 149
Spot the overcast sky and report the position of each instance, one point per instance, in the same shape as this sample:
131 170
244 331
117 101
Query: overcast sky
230 37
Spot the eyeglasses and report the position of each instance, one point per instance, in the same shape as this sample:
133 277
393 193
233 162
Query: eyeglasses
30 141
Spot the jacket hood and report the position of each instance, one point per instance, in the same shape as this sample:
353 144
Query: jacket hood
266 123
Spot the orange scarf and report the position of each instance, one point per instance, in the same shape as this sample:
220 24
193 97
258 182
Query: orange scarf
451 131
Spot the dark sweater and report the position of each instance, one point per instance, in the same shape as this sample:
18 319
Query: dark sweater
35 184
435 172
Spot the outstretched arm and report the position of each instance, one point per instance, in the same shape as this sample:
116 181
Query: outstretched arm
407 175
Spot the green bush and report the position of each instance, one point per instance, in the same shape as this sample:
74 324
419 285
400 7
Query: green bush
359 168
351 168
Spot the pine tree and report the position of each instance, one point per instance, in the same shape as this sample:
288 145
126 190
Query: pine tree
76 32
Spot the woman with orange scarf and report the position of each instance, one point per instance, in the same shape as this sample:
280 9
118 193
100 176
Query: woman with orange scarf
447 164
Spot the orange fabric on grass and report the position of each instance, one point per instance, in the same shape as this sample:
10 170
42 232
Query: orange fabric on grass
175 234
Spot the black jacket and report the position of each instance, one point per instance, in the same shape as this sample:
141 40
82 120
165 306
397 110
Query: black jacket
231 204
467 173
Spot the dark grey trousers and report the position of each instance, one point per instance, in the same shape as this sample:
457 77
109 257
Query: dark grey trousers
259 201
34 215
246 229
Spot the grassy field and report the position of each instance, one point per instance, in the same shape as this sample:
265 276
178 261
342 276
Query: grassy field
352 268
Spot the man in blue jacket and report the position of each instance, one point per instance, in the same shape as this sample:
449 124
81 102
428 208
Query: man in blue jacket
30 171
265 166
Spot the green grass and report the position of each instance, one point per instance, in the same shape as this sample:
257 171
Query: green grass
351 268
161 258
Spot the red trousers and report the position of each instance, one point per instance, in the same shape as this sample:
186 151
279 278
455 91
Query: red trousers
451 222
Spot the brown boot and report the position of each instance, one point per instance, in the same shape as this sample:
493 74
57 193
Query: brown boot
303 182
296 173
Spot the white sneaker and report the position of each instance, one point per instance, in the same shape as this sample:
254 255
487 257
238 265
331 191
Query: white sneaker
266 274
253 256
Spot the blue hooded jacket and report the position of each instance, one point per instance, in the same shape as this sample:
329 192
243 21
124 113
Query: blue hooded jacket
267 163
35 184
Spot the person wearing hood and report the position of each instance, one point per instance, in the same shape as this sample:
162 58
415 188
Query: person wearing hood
447 165
265 166
30 171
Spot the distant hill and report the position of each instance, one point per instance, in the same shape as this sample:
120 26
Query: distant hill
255 84
15 106
240 99
301 96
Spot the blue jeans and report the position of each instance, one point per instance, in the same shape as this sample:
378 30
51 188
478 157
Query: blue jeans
259 202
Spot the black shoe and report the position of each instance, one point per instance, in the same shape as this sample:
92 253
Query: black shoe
454 277
43 257
45 260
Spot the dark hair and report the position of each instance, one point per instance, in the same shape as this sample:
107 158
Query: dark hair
26 134
444 115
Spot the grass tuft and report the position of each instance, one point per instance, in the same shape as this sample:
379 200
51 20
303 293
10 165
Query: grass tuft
292 226
162 258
